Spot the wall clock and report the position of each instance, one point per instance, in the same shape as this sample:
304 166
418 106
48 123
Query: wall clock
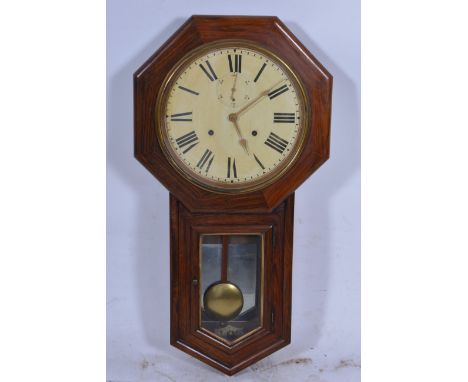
232 114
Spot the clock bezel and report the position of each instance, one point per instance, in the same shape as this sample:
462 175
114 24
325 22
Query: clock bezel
236 187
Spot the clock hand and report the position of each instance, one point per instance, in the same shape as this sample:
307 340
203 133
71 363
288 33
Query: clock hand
233 89
233 117
242 140
255 100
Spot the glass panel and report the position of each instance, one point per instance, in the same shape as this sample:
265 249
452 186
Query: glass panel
232 307
210 261
243 268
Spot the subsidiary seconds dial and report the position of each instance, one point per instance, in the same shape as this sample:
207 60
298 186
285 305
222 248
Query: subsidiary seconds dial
232 116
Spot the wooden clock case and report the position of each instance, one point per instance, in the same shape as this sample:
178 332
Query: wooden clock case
268 211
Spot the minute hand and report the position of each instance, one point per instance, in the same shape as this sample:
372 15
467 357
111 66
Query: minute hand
255 100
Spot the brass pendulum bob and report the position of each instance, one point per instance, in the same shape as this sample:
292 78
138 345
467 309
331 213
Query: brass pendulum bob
223 301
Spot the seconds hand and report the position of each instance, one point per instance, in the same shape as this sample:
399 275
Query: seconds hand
233 89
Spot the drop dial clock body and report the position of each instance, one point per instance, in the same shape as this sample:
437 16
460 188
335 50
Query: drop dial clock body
232 114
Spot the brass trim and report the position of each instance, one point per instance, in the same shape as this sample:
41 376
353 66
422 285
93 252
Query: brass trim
225 341
220 187
262 286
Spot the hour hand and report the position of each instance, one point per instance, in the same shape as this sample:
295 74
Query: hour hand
242 140
243 143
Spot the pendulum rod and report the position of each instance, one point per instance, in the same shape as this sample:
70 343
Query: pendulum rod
224 259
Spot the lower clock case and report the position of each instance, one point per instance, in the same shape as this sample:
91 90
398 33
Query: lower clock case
231 284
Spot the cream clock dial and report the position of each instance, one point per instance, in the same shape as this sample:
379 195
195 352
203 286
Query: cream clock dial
232 117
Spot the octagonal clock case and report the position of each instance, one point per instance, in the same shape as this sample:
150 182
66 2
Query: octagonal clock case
232 115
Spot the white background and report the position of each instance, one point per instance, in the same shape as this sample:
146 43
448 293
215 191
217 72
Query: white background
52 195
326 271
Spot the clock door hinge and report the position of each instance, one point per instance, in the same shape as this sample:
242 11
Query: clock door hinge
272 317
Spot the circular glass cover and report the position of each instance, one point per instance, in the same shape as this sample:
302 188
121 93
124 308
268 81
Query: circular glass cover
231 116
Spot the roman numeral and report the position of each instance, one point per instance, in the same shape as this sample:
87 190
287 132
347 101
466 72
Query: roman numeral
189 139
284 117
276 143
259 72
259 163
277 92
182 117
204 159
188 90
236 68
231 170
211 76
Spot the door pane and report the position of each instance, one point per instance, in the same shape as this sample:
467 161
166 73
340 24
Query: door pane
243 268
210 261
231 308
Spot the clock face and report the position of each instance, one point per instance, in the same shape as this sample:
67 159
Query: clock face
232 116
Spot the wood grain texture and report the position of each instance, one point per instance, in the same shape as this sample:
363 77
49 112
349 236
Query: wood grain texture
269 33
275 330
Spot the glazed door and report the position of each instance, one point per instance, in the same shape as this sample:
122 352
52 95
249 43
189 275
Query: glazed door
231 292
231 284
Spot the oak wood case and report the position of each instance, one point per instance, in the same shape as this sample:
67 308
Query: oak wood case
194 210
